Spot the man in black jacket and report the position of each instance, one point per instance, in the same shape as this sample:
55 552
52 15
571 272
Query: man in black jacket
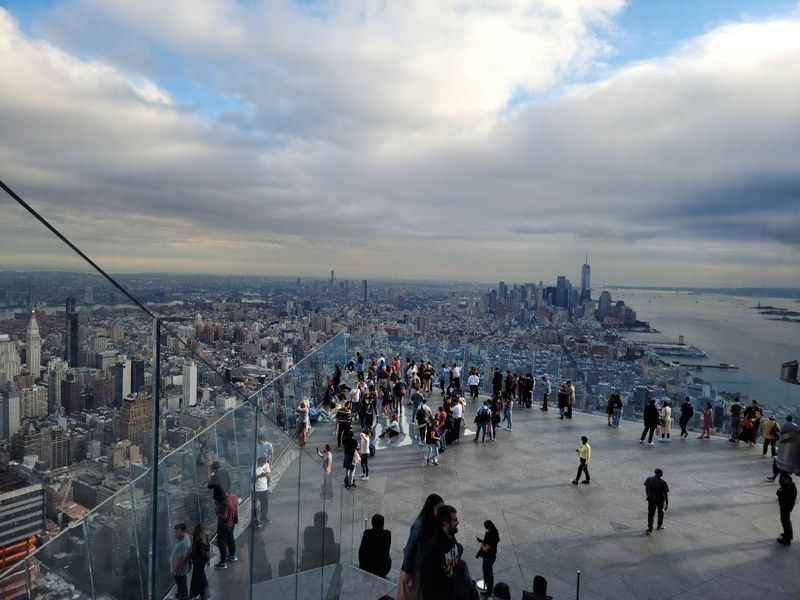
441 557
373 553
687 412
651 417
787 496
657 492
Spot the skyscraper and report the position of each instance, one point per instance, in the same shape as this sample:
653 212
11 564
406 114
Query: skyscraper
331 277
604 305
137 375
365 291
586 281
9 411
563 291
34 347
56 370
9 358
189 383
71 341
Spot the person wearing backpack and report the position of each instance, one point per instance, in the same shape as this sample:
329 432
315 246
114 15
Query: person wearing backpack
482 418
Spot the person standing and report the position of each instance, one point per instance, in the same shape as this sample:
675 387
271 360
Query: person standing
770 433
423 417
262 492
787 429
570 398
456 371
497 383
546 391
708 420
350 446
482 421
180 561
373 552
227 509
474 382
610 408
363 449
432 446
666 421
408 583
442 555
651 417
657 492
200 557
326 492
457 412
563 400
618 404
584 458
508 407
488 553
787 496
735 415
344 422
687 412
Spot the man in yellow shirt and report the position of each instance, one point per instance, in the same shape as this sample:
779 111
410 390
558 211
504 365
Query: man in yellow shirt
584 458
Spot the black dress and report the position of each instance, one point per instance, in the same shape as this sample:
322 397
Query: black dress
199 557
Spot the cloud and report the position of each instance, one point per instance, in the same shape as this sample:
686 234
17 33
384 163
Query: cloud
380 138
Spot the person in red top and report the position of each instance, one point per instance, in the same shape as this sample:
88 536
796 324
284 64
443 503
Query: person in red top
227 508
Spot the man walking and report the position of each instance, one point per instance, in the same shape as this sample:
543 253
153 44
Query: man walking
687 412
227 509
584 458
482 418
787 496
651 417
657 492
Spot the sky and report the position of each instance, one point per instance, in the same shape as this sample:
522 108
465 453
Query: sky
471 140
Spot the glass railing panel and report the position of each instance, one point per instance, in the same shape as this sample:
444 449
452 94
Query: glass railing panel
63 566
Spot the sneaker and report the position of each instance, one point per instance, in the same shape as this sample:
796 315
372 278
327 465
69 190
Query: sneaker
220 566
585 482
641 441
574 482
649 531
784 541
651 444
660 528
233 558
365 478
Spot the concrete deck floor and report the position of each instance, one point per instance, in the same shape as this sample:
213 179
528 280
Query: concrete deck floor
718 542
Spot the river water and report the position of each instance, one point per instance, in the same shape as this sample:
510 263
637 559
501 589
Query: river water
728 330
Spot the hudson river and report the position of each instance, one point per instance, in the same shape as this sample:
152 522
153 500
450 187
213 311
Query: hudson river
730 331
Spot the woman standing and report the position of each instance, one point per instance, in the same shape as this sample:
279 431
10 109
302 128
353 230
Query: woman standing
408 584
326 493
363 449
303 422
666 421
200 555
707 421
488 553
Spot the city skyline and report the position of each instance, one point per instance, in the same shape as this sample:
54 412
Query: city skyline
630 127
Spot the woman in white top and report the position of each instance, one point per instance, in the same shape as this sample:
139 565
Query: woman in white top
303 422
363 450
666 421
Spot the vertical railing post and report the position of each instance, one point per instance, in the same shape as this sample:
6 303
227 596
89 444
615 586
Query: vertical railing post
153 566
253 501
578 587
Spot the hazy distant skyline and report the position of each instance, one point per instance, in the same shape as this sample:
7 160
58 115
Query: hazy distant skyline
465 141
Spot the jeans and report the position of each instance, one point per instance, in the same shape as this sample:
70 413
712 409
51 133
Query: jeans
582 468
652 506
432 453
481 427
683 423
182 592
545 398
615 417
473 392
507 416
225 542
648 428
768 443
262 506
456 429
734 424
365 464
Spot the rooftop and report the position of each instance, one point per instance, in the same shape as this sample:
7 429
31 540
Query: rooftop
718 542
